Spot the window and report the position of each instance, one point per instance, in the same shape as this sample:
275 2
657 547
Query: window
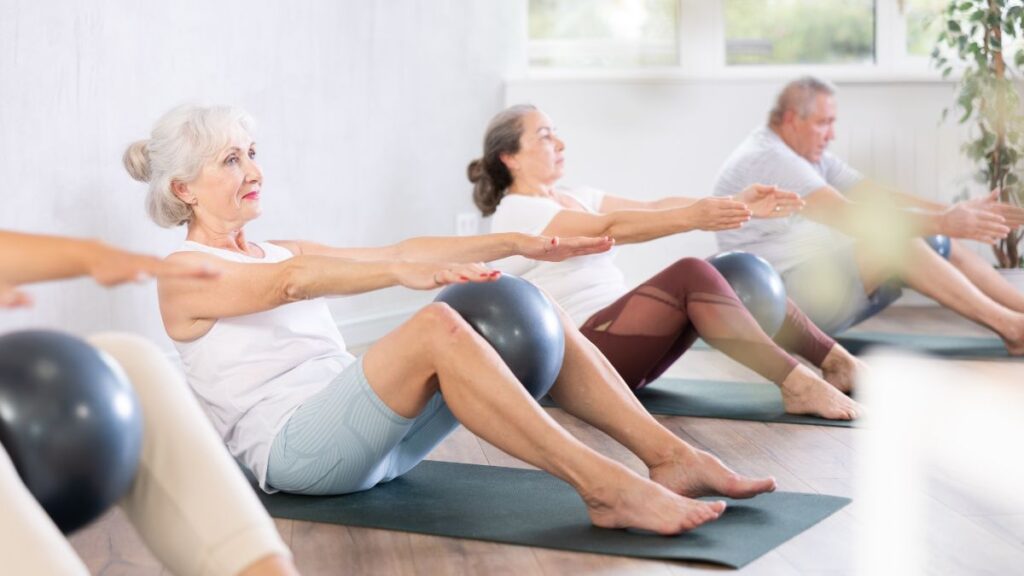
737 38
924 22
799 31
603 33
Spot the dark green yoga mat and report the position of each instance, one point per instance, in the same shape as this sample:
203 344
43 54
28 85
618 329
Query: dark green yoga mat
532 508
757 401
949 346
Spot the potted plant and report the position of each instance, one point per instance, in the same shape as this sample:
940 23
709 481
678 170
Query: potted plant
985 36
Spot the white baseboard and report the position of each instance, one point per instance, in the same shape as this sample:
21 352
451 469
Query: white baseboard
365 330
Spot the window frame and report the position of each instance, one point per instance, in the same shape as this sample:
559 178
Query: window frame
701 48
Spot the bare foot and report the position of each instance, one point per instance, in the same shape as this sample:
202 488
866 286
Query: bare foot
698 473
1013 336
805 393
840 369
625 500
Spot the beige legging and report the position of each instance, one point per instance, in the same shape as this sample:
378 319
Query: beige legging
189 502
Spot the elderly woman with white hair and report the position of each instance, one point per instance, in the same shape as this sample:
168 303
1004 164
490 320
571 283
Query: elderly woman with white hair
262 351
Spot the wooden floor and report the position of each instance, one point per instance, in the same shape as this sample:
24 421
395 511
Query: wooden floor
965 534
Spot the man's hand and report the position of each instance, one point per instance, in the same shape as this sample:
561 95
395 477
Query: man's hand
1013 215
964 220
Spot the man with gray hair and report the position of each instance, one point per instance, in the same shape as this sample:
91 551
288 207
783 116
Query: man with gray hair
845 257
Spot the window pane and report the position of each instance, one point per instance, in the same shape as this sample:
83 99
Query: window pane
611 33
799 31
924 23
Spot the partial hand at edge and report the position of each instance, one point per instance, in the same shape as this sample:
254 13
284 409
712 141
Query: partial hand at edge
11 297
110 266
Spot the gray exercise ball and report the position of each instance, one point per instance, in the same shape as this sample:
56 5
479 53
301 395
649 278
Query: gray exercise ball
70 422
758 286
520 323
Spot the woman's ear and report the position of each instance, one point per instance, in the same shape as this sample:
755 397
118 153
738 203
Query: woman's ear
509 161
180 189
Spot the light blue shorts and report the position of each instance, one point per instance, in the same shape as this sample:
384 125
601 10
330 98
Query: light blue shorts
345 439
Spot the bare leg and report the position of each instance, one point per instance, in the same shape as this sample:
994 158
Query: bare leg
931 275
270 566
985 277
438 350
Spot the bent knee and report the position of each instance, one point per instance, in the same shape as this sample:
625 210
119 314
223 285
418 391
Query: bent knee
440 318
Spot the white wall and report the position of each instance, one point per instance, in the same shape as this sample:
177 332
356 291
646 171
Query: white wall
647 138
368 113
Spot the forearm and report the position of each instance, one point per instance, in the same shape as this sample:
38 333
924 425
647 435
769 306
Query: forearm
480 248
634 226
305 277
672 202
26 258
862 219
868 192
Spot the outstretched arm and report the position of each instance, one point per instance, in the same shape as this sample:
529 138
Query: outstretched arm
189 308
861 217
28 258
762 200
632 226
481 248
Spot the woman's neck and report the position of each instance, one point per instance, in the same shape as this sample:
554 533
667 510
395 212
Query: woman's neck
232 240
527 188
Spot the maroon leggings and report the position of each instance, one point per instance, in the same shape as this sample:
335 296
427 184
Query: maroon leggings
646 330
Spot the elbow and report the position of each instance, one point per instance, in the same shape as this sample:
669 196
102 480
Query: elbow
293 281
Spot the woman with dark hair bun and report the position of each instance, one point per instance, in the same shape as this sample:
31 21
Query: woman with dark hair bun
644 330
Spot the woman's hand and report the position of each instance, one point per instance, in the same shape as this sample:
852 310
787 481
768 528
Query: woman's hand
770 201
11 297
717 214
555 249
430 275
110 266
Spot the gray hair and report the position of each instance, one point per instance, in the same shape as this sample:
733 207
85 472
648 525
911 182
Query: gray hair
798 96
182 142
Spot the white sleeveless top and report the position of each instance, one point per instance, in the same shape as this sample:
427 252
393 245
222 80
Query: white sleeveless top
253 371
581 285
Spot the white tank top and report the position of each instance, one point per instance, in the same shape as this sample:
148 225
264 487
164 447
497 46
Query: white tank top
251 372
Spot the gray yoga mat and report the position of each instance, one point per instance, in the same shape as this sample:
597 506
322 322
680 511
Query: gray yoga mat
859 341
532 508
757 401
939 345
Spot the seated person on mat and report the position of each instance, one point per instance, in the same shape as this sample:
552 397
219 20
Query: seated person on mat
644 330
189 501
262 350
830 257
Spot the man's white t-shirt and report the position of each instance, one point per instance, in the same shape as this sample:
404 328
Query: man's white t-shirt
581 285
763 158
